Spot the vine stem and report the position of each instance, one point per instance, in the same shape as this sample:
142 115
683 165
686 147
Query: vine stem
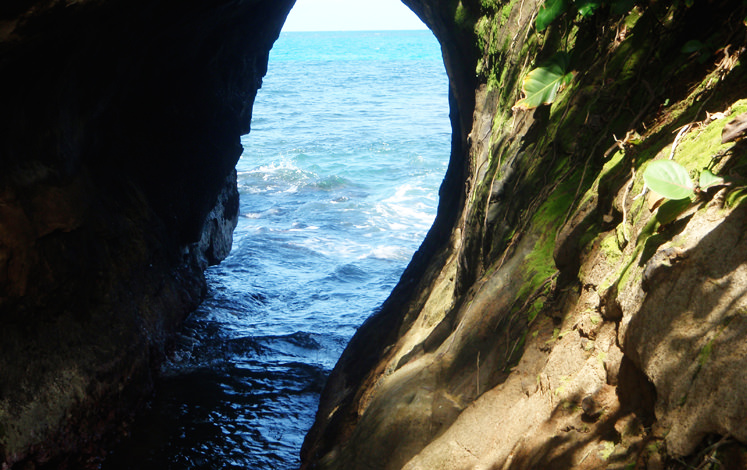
680 134
624 199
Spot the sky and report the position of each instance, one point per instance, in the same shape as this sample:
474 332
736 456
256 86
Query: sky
351 15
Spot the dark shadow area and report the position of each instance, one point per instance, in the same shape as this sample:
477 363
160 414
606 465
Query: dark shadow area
350 139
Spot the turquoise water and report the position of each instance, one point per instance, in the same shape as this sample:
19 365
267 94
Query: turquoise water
350 140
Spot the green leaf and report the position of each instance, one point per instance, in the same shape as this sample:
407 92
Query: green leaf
668 178
548 12
541 85
586 8
708 179
692 46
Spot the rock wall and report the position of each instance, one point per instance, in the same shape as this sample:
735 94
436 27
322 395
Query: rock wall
558 314
119 134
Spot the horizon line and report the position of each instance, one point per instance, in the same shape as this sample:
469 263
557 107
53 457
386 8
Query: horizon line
424 28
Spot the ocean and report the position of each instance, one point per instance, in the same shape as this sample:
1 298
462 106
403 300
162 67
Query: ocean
349 142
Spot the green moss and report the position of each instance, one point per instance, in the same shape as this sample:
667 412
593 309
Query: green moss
499 66
506 10
607 282
637 277
503 78
654 447
632 63
610 166
526 48
615 160
570 117
554 337
559 105
630 270
493 82
738 108
463 18
601 357
619 60
589 236
505 15
535 308
611 249
606 449
638 183
696 151
635 212
647 241
705 352
622 235
519 346
482 30
539 264
570 406
498 122
736 197
569 112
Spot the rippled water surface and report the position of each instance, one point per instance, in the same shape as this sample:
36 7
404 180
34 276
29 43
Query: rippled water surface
339 178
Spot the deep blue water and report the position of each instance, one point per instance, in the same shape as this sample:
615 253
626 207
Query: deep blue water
339 178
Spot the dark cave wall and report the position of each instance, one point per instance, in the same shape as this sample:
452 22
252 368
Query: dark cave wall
119 134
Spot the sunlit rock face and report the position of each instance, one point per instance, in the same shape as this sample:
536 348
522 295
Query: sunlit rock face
119 134
557 315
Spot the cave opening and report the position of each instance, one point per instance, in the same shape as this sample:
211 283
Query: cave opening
338 182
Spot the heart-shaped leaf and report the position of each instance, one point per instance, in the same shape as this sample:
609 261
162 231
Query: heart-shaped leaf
708 179
548 12
586 8
668 178
541 85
